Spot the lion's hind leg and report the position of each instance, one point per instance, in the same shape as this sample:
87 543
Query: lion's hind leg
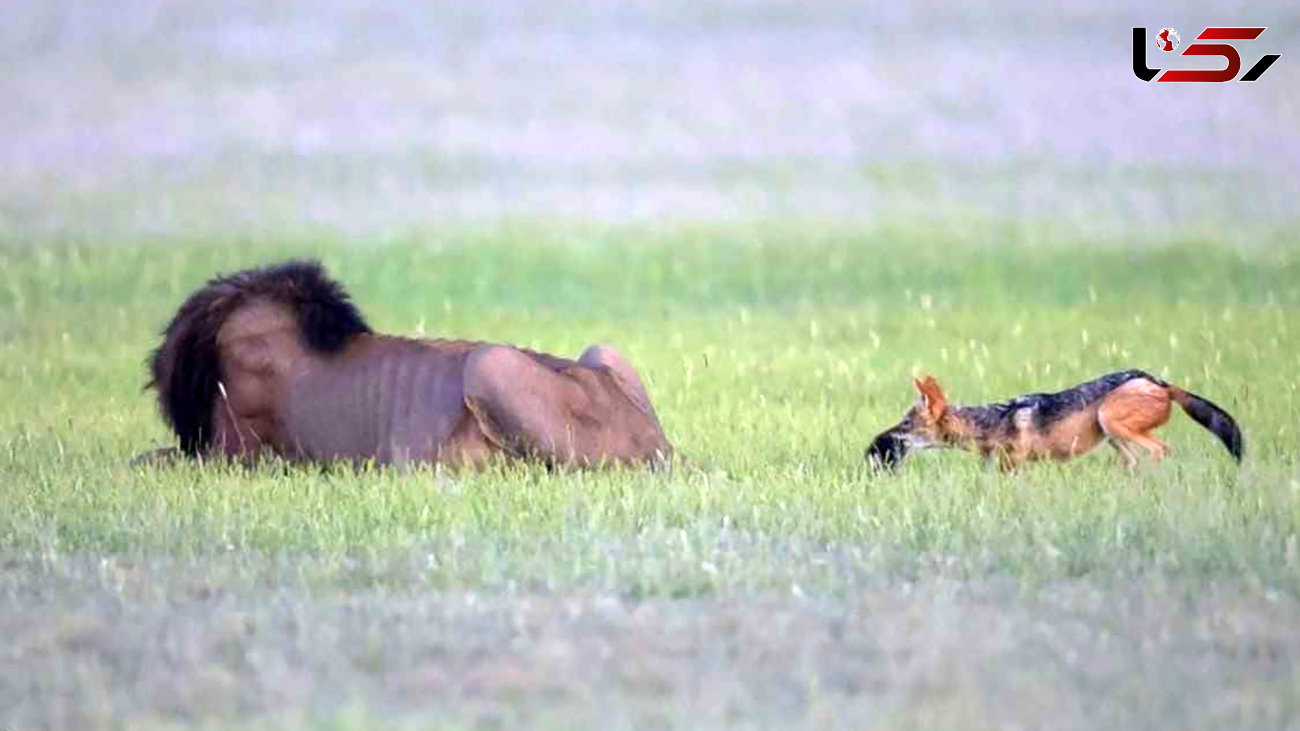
579 414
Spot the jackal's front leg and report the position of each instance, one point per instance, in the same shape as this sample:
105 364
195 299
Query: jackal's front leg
1008 462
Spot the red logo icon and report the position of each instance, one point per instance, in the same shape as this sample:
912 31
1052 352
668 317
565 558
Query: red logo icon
1167 40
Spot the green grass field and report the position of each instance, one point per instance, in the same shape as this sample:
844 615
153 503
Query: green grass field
768 580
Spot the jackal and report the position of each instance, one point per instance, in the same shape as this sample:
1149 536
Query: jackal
1123 408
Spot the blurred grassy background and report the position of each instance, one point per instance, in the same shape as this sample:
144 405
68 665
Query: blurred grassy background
374 120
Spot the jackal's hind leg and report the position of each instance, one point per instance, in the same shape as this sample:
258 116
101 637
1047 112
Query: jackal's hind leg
1125 452
1131 412
1149 442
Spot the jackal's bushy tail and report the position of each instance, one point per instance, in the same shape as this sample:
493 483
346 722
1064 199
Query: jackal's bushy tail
1212 417
186 367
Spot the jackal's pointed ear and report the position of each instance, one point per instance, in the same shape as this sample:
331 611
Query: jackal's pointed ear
931 395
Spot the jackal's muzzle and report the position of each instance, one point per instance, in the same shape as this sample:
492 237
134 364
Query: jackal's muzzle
886 451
